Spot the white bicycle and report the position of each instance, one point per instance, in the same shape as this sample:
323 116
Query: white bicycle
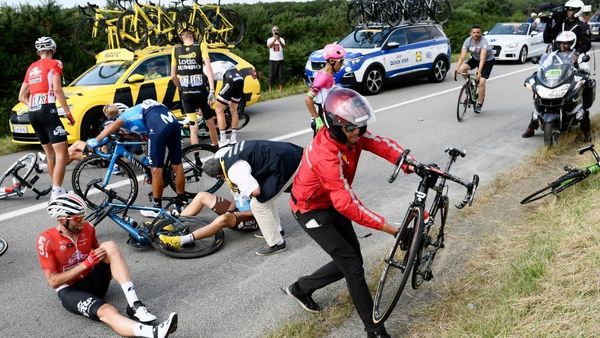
15 182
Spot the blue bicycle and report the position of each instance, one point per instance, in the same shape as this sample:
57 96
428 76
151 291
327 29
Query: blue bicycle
96 172
145 234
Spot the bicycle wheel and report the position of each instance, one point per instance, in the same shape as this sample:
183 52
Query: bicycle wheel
557 186
194 19
393 13
23 167
164 27
413 10
433 240
464 99
193 157
87 40
88 176
399 264
355 14
243 120
440 11
132 31
183 226
3 246
231 35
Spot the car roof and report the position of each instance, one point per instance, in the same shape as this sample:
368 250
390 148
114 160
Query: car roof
123 54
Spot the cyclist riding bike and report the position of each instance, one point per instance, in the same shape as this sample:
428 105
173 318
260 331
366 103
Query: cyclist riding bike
40 89
323 82
187 62
324 204
482 58
230 96
80 268
153 120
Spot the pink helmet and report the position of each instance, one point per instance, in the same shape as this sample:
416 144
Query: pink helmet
334 51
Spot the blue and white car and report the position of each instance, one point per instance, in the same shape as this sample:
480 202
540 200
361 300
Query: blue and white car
516 41
376 54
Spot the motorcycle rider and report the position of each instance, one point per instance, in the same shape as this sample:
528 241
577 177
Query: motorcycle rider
566 42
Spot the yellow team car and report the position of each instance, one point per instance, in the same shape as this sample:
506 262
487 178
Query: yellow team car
122 76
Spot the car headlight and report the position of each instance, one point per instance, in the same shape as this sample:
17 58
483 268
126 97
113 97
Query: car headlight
512 45
61 111
352 61
547 93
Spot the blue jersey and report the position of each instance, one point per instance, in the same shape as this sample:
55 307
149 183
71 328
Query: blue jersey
133 120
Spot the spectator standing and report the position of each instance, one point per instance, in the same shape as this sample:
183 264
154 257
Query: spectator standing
275 44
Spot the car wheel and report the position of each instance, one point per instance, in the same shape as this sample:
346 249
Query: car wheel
91 125
373 81
523 55
439 70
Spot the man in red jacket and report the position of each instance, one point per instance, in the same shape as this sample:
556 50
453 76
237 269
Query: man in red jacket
324 204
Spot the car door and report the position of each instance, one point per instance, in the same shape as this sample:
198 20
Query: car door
420 47
395 53
536 42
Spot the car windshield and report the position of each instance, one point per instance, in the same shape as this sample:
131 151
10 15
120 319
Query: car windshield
365 38
509 29
103 74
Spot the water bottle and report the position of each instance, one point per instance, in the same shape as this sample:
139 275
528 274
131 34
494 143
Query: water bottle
242 203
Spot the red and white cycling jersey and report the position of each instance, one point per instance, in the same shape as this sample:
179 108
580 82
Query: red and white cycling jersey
39 79
59 253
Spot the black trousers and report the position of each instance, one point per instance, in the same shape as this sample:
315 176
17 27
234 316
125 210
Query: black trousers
334 233
584 124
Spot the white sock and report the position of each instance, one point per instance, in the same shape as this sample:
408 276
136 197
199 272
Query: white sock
186 239
129 291
141 330
233 136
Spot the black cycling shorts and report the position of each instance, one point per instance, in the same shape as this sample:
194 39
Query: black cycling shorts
231 91
165 133
197 103
47 124
487 67
86 296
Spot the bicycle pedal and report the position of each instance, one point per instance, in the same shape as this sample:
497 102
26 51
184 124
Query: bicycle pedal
428 276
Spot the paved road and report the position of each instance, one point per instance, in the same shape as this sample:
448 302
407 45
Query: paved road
234 293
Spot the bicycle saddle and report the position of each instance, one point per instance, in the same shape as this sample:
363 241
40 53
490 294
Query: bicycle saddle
455 152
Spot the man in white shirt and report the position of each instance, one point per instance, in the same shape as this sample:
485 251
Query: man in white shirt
275 44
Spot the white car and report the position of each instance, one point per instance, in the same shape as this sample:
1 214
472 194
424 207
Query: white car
516 41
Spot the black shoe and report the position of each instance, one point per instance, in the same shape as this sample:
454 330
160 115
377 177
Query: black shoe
269 250
165 328
305 301
259 234
139 312
379 334
477 108
528 133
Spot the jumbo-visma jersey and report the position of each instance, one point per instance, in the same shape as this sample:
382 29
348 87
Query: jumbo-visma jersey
189 60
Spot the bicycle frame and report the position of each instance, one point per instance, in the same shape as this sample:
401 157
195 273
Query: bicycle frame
118 152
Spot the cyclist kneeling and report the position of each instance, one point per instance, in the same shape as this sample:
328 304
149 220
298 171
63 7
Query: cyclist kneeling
482 58
153 120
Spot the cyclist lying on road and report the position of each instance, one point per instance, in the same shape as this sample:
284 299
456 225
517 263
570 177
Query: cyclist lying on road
80 269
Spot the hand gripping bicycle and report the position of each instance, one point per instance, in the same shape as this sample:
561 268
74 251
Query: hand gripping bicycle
18 173
572 177
419 237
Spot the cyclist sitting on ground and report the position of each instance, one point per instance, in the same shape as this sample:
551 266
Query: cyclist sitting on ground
482 58
153 120
325 205
323 82
80 268
40 89
230 96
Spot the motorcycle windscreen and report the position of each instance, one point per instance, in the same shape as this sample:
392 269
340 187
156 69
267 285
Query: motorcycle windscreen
555 75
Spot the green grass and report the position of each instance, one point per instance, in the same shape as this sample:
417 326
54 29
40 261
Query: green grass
289 88
7 146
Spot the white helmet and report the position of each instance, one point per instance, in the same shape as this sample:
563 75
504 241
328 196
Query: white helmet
66 205
576 4
567 36
121 107
534 15
45 43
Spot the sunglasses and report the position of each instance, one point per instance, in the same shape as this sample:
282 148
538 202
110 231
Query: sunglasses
569 9
76 218
340 61
351 127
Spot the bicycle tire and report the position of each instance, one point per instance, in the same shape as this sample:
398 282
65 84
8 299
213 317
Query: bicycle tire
440 11
433 240
355 15
195 179
92 168
194 20
132 31
557 186
29 160
393 13
464 97
3 246
198 248
161 38
413 11
235 35
85 40
388 293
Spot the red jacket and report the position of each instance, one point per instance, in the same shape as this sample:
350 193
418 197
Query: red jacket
327 171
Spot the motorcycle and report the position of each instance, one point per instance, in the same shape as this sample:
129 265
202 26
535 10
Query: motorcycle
561 94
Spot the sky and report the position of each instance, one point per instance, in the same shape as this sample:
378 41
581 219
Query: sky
72 3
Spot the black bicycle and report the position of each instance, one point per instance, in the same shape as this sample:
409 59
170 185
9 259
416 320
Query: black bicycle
421 234
572 177
3 246
468 95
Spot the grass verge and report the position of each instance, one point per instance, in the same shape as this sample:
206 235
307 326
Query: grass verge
7 146
290 88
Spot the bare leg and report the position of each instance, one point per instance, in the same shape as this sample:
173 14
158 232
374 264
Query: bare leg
118 266
210 123
179 178
76 151
220 111
123 326
463 69
50 158
194 134
202 198
225 220
157 182
62 156
235 120
482 82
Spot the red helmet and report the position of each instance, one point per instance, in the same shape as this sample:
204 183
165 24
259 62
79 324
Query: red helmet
334 51
345 107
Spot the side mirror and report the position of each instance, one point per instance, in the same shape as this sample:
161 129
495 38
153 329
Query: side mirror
392 44
534 33
585 58
535 60
136 78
